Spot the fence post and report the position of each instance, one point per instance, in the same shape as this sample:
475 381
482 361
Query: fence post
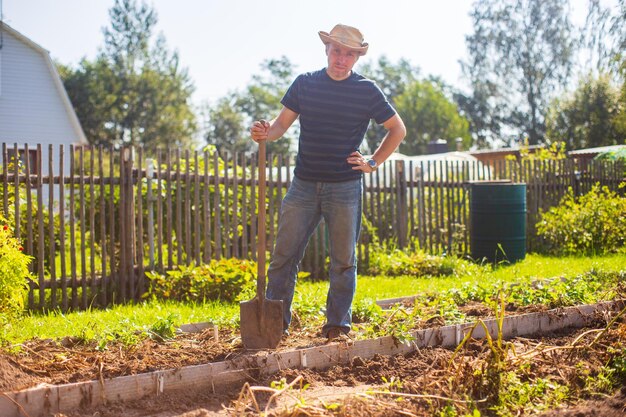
150 208
401 207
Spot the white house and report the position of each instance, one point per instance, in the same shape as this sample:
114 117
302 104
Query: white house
34 106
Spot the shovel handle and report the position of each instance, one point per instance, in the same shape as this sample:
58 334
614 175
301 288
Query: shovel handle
260 282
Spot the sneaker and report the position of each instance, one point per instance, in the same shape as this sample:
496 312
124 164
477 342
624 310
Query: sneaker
285 333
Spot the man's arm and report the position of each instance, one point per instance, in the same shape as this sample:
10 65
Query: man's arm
263 130
395 133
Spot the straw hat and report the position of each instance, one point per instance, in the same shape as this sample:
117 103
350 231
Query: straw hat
346 36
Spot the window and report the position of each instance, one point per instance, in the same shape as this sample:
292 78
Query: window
33 159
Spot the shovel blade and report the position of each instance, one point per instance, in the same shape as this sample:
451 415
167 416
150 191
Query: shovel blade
261 323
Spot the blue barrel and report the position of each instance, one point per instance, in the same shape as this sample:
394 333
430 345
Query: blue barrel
498 221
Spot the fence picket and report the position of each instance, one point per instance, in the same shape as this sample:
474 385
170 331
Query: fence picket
40 230
92 222
29 228
197 218
103 229
51 228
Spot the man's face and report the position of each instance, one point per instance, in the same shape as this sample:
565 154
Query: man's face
340 61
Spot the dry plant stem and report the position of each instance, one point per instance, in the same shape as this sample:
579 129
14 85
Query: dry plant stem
249 392
608 326
241 403
277 393
426 396
23 346
396 311
581 336
390 406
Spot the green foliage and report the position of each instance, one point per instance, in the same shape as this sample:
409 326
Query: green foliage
561 292
612 155
164 328
386 259
399 323
429 115
520 52
13 273
123 332
392 80
308 300
135 92
225 123
224 126
585 288
617 364
366 310
589 224
222 279
555 152
587 117
524 397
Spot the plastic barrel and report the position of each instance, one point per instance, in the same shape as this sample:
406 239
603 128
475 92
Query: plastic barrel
498 221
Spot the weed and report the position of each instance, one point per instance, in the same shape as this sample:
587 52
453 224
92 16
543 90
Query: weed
451 411
393 384
387 259
164 328
365 311
519 397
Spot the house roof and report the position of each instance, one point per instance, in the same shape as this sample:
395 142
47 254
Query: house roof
594 151
505 150
55 77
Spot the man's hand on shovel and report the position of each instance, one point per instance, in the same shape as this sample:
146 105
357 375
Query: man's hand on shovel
260 130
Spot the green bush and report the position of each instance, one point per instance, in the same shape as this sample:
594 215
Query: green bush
13 273
222 279
589 224
388 260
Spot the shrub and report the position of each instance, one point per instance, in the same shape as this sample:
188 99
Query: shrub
388 260
13 273
589 224
220 279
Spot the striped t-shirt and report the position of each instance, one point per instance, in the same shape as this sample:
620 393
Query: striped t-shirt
334 116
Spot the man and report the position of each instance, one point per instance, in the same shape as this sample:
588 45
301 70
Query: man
335 106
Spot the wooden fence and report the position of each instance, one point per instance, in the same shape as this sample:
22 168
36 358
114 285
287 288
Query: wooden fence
96 219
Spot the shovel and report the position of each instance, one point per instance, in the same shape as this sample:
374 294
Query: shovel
261 320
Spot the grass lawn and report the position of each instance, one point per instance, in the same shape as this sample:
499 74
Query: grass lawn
310 296
533 267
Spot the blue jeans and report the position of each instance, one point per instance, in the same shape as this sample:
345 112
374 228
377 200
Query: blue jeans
303 207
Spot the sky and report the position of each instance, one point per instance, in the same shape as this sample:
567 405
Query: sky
222 43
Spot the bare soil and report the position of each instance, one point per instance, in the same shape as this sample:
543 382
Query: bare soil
416 384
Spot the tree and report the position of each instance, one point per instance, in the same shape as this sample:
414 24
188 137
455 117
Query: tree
90 88
135 92
520 54
429 115
224 127
588 117
618 29
392 80
227 120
